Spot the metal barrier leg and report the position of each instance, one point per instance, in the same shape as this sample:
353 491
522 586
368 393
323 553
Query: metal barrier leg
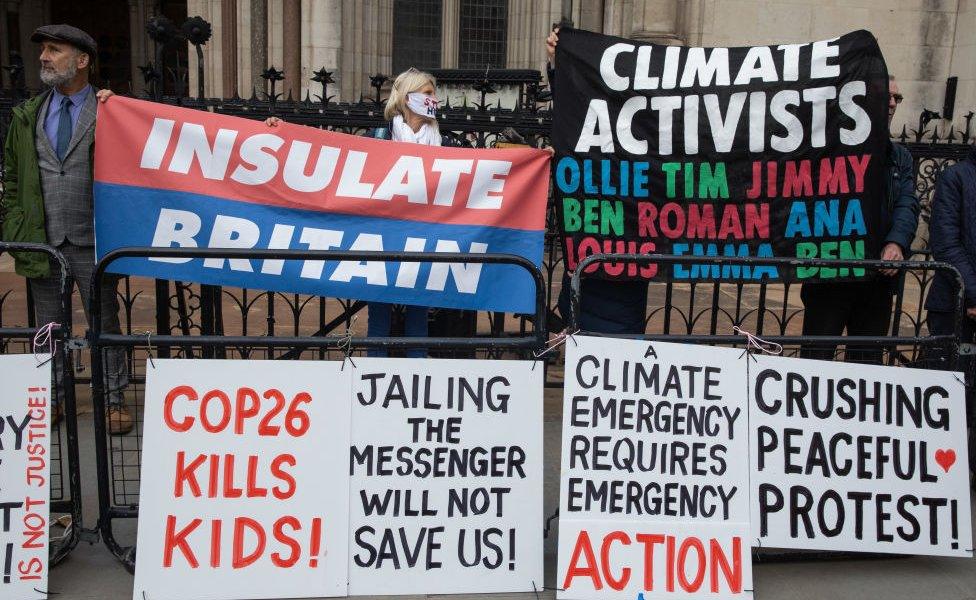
60 547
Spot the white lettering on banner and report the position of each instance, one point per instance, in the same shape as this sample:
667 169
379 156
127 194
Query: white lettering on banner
625 67
714 70
597 131
180 228
258 161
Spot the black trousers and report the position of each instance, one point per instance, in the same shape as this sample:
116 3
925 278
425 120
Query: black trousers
862 308
943 323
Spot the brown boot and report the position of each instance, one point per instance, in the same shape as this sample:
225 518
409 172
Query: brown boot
119 420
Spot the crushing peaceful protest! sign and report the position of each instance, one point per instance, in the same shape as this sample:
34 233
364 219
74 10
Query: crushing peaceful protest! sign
171 177
859 457
755 151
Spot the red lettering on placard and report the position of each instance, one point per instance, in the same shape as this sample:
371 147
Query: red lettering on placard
608 540
225 415
733 575
280 535
276 470
265 427
583 547
242 413
649 540
186 474
177 539
240 560
187 422
686 545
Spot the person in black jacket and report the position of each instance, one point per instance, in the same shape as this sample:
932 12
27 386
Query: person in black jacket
863 308
953 240
605 306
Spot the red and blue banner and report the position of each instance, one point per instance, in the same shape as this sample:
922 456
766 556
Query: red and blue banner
172 177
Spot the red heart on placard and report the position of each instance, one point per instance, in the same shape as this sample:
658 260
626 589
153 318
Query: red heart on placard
945 458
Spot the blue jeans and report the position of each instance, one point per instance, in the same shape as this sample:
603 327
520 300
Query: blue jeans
380 317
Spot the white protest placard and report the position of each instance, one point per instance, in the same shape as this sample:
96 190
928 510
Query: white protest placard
446 465
244 483
859 457
25 445
654 490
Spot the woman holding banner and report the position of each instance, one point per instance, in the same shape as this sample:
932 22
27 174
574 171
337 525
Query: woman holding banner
411 114
411 111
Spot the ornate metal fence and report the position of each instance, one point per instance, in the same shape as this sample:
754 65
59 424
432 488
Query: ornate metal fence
707 308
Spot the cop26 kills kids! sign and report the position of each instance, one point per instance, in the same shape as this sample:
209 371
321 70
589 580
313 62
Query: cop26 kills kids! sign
171 177
756 151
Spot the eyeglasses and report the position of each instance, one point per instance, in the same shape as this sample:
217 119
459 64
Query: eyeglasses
898 98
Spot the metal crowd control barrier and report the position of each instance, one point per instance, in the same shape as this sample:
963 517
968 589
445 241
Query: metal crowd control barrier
109 485
63 460
801 340
950 344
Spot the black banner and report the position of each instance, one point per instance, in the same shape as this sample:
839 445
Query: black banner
755 151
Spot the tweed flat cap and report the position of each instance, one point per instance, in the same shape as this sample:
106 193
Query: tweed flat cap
66 33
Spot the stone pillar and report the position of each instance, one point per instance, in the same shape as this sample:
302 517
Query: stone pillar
4 46
367 45
618 17
137 44
292 48
259 43
31 16
657 21
529 23
228 43
450 32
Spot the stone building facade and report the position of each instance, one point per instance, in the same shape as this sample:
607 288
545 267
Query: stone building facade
925 41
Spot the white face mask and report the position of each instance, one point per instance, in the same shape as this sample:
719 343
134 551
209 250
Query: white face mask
422 104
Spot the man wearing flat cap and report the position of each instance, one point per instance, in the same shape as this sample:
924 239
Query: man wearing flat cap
47 192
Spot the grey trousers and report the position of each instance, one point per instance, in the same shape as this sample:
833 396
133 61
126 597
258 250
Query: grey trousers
81 260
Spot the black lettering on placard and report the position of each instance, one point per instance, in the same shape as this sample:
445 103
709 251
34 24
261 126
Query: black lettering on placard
861 467
400 547
10 424
406 527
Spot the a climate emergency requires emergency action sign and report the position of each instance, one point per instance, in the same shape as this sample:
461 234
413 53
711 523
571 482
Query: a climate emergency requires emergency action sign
25 449
172 177
654 479
244 491
859 457
755 151
446 467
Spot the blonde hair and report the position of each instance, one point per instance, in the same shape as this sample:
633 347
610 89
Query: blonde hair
410 80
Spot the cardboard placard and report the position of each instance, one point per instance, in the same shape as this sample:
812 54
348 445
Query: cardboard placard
25 486
446 467
244 489
654 479
859 457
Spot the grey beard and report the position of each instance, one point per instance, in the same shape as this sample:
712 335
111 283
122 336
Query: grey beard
54 79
